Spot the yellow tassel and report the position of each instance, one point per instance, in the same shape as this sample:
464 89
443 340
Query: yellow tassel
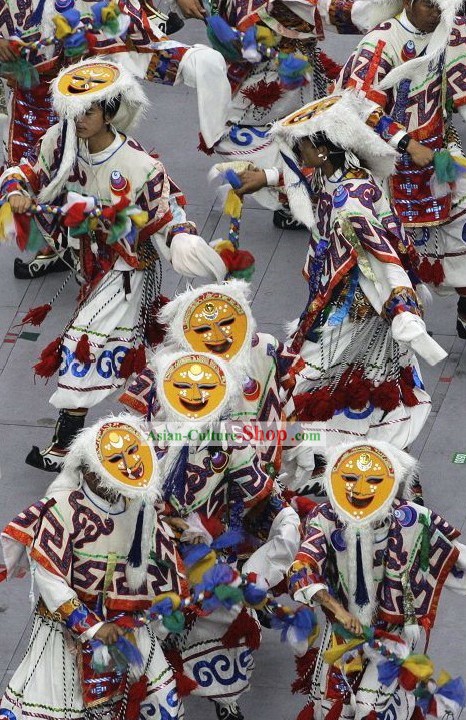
233 205
110 13
224 245
420 666
355 665
266 36
62 27
443 678
333 654
93 223
459 159
6 222
196 573
140 219
173 597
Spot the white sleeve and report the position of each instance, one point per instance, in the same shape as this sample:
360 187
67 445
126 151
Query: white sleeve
273 559
205 69
306 595
55 591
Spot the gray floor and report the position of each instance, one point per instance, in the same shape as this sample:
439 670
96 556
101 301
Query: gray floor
279 294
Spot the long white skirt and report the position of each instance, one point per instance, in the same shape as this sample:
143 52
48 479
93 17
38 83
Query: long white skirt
110 320
46 685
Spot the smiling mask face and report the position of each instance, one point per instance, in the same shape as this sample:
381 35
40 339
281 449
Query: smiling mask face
125 454
194 386
362 483
88 79
215 323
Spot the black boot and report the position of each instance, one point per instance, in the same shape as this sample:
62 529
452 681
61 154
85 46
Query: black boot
228 712
461 313
69 423
43 264
283 219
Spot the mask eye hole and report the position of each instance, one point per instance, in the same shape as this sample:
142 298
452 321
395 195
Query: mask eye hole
201 329
182 385
115 458
350 478
227 321
374 480
132 449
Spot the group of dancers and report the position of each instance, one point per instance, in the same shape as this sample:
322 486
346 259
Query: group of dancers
175 525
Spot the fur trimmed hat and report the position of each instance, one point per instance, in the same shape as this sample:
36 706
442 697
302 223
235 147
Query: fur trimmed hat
75 90
339 117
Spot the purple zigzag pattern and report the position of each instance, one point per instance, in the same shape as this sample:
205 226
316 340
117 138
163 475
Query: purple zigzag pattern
87 524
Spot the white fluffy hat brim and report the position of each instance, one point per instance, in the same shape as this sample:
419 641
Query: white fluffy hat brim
83 455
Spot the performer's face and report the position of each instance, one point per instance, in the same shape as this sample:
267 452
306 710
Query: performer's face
311 156
194 387
125 454
215 323
362 481
423 14
91 123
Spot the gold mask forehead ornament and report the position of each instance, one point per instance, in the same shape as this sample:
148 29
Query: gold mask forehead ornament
216 323
362 484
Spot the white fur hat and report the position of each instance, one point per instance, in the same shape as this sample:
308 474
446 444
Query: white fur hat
75 90
340 118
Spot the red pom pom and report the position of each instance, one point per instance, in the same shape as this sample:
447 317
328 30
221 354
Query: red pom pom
315 405
75 215
37 315
237 260
406 387
263 94
417 714
407 680
155 331
303 507
386 396
243 626
50 359
184 684
137 693
335 711
83 350
305 668
438 275
358 391
91 40
307 713
331 68
127 364
140 361
425 270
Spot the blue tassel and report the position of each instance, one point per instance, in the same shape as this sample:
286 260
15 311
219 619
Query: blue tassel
131 652
339 315
175 482
254 595
221 29
135 553
193 553
228 539
361 596
454 690
36 16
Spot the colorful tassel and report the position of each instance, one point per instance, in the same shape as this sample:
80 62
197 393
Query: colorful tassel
36 315
83 350
263 94
438 274
184 684
140 361
335 711
361 595
135 553
50 359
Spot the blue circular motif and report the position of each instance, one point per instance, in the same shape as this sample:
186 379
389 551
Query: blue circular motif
338 541
406 515
6 714
463 233
409 50
358 414
340 196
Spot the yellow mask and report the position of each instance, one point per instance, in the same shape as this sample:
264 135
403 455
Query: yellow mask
125 454
215 323
88 79
194 386
362 482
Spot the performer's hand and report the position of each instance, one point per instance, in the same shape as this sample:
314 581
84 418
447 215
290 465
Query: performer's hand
192 9
251 181
350 622
20 203
420 154
109 633
6 53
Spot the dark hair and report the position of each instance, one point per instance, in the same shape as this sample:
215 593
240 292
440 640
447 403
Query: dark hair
110 107
335 152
